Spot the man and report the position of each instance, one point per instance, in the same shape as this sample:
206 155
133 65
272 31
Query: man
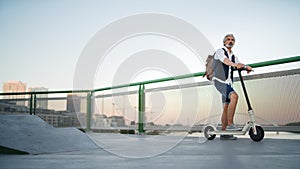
224 62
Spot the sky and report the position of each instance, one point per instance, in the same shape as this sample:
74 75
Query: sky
41 41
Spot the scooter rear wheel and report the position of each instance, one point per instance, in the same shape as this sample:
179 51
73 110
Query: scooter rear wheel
209 136
259 134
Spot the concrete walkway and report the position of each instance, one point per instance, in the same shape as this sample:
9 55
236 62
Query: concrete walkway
71 149
188 153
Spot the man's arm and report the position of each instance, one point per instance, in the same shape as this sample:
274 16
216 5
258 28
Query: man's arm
221 56
228 62
237 65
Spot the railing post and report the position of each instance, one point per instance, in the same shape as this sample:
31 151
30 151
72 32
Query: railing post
89 110
34 104
30 104
141 120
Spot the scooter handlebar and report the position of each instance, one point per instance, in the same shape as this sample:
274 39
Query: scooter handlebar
242 69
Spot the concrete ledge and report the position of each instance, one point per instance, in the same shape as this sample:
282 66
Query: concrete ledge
30 134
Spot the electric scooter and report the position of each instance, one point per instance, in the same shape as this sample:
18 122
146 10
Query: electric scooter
256 132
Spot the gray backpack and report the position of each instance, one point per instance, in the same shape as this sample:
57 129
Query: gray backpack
209 67
209 72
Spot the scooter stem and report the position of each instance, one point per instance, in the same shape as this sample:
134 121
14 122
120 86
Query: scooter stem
244 90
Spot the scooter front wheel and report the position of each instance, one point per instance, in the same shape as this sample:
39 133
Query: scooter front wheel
209 136
259 133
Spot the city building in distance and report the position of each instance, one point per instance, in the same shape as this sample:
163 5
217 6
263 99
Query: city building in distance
14 87
73 103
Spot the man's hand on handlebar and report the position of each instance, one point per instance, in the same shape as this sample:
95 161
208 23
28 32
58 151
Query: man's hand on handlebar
248 68
243 67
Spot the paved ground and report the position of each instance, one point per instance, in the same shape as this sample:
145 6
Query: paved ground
188 153
70 149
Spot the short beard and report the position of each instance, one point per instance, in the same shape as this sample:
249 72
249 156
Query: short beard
229 45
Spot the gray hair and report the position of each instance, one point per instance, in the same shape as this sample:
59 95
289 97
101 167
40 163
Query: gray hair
227 36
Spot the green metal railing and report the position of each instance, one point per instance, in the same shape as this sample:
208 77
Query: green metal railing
276 62
141 92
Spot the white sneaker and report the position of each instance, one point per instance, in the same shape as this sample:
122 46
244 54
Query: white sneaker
233 127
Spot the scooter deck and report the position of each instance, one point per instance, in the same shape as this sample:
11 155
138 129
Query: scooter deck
227 132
